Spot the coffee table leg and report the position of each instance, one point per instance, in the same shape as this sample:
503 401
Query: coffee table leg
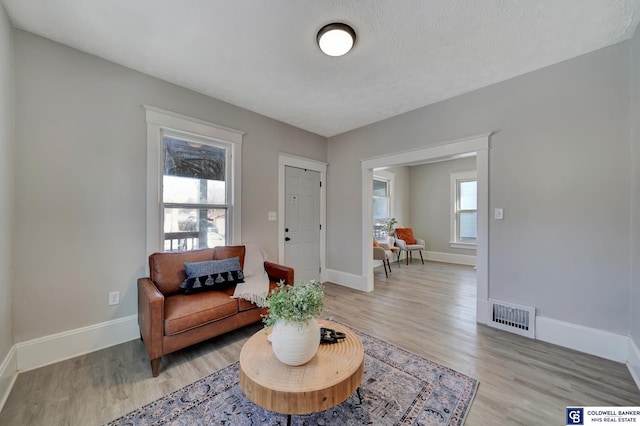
359 398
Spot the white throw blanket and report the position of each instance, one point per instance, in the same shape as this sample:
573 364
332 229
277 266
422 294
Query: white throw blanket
255 287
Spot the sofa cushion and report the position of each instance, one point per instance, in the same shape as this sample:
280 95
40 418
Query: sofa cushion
167 269
245 305
225 252
405 234
211 275
182 312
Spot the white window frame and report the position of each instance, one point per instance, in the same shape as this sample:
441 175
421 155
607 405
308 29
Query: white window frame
389 177
454 241
160 123
387 196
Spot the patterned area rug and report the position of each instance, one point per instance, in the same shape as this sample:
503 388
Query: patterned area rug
398 388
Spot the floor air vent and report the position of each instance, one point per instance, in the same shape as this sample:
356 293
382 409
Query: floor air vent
514 318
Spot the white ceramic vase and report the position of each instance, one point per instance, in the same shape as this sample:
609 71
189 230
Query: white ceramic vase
295 343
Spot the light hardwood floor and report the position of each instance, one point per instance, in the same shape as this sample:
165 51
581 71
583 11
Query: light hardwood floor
428 309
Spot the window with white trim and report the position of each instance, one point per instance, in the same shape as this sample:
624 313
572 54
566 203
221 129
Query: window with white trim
195 193
193 177
380 199
382 202
464 210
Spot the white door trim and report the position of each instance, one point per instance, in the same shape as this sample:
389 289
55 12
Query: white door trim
309 164
478 144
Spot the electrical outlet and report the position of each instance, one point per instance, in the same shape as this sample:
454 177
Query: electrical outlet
114 298
498 214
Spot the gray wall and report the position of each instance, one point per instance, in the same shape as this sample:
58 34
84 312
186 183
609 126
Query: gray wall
559 166
81 180
402 201
430 210
6 183
635 190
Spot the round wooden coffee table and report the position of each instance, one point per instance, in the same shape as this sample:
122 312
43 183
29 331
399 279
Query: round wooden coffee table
331 376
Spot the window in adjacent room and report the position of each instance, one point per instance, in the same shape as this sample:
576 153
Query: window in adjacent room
382 183
464 211
193 176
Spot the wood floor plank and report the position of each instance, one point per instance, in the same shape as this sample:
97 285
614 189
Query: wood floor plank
427 309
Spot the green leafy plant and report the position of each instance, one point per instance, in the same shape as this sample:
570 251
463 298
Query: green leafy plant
390 224
297 303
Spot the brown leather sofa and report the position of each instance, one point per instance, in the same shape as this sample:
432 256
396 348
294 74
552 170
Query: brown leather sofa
170 320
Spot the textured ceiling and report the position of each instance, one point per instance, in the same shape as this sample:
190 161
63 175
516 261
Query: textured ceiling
261 55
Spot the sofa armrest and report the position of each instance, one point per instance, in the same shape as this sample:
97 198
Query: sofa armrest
400 243
151 316
279 273
420 242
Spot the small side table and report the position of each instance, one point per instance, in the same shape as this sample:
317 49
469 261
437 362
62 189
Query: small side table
396 250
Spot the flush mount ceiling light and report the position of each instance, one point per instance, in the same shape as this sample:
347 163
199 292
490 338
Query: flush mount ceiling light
336 39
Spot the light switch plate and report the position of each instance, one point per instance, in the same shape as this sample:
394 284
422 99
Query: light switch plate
498 214
272 216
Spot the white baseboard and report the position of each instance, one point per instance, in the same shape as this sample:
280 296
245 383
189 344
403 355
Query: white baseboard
460 259
8 375
482 312
633 362
357 282
61 346
592 341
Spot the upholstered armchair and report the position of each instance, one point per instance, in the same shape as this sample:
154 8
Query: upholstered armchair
408 243
382 251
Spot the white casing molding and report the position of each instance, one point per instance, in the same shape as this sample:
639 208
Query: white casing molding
435 256
633 362
58 347
367 227
459 259
476 144
603 344
160 121
356 282
8 375
482 311
68 344
285 160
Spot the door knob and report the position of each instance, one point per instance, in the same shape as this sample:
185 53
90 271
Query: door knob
287 239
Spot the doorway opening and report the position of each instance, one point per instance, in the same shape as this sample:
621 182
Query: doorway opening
478 145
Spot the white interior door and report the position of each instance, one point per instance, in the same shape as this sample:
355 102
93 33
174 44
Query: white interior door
302 222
